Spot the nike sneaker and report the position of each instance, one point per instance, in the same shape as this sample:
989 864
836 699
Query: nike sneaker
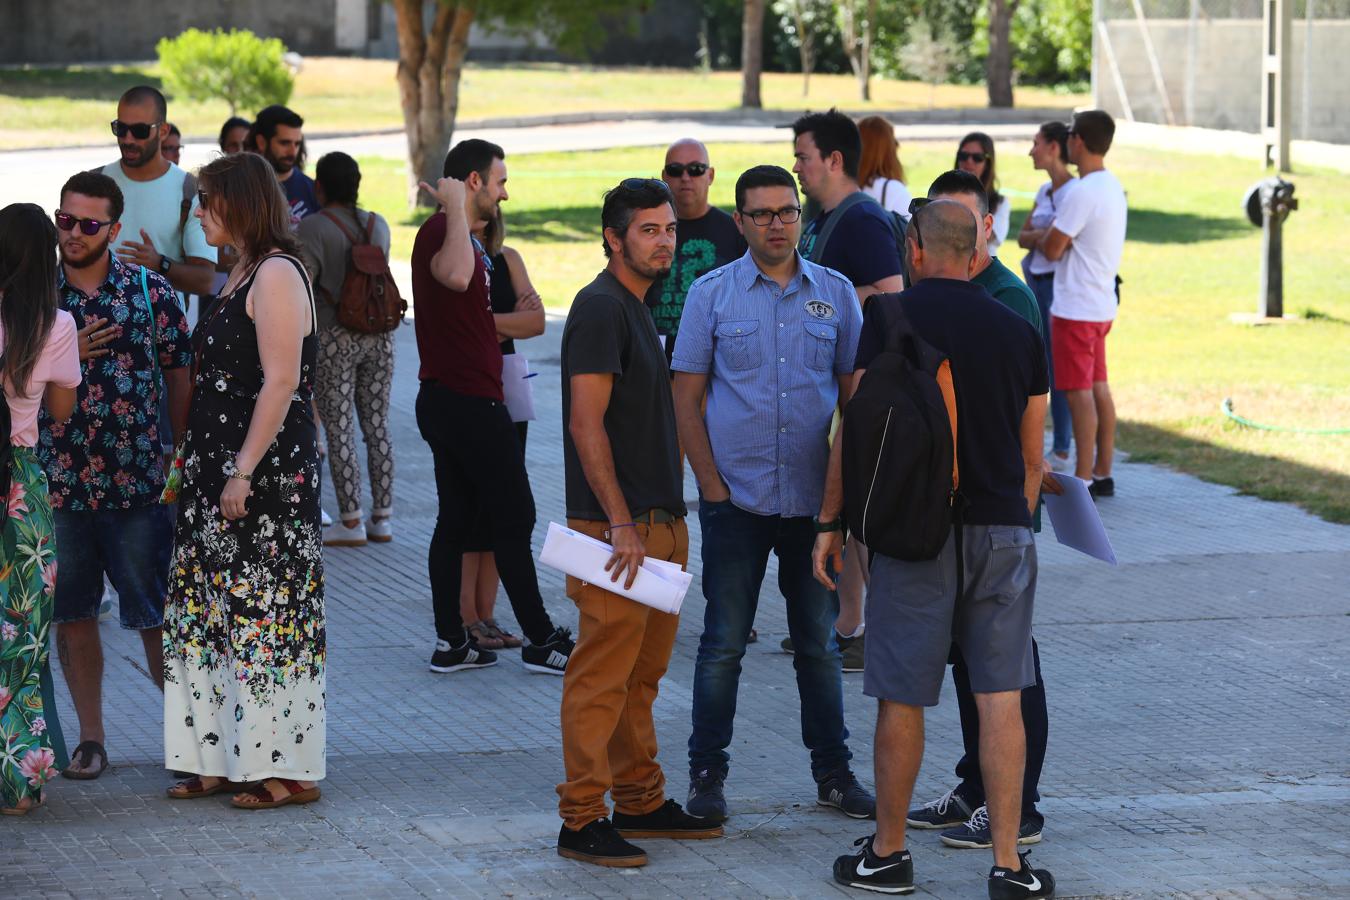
1005 884
892 874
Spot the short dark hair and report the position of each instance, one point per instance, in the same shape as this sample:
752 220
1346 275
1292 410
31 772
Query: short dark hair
1096 128
624 200
268 119
833 131
473 155
99 186
763 176
958 182
1057 132
232 123
173 129
144 93
339 176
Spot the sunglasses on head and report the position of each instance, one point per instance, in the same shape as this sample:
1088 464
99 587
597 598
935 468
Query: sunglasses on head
962 156
640 184
139 130
695 169
66 222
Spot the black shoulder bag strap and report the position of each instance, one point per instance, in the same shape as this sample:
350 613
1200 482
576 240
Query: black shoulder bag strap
852 200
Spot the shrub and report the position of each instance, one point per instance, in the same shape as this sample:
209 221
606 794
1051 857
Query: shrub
244 70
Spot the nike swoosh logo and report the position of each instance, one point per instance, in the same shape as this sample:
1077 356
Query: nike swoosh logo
864 871
1035 884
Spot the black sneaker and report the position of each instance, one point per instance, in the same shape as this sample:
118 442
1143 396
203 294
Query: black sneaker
551 656
842 791
666 821
851 651
787 646
974 834
1005 884
600 844
1102 487
944 812
892 874
467 655
706 800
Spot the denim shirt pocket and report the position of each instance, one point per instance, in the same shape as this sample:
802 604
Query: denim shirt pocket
737 346
820 345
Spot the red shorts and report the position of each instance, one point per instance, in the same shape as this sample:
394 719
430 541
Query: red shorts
1079 349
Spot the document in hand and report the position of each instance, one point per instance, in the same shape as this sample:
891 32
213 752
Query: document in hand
659 584
517 387
1076 520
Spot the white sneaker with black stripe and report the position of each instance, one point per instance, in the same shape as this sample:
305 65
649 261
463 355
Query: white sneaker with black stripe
466 656
551 657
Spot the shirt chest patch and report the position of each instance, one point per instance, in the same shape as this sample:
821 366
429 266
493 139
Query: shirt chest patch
819 309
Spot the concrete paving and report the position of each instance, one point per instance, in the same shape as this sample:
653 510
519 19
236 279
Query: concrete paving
1198 740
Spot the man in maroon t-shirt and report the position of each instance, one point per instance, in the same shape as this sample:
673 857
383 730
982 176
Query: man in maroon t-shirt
480 467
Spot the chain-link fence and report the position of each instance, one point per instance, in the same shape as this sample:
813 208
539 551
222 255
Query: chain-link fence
1198 62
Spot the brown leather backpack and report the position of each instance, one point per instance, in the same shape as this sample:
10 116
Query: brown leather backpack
369 302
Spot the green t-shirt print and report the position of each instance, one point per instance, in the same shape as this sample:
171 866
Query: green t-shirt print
701 245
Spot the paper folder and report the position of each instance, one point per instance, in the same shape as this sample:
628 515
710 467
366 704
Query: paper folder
659 584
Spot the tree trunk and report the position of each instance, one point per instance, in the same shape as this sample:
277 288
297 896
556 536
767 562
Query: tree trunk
429 68
865 64
805 46
856 31
998 67
752 53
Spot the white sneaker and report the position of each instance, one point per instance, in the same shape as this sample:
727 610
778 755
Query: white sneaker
324 518
1059 463
340 535
381 531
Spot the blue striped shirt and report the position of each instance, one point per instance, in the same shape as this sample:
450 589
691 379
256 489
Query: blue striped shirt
772 356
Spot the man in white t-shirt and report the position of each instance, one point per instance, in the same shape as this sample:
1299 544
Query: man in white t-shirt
1087 238
159 230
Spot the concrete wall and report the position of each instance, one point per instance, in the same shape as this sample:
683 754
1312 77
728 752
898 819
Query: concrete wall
75 31
1227 83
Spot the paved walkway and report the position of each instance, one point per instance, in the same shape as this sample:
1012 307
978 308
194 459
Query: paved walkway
1198 746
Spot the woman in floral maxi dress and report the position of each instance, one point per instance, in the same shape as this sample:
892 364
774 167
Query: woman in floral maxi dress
38 350
244 625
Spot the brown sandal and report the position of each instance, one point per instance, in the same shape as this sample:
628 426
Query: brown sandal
38 802
484 637
509 640
261 798
194 788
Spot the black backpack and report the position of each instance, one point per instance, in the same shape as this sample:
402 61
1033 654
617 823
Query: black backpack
901 479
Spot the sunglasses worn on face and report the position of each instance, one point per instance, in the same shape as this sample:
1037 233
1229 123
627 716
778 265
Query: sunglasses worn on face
66 222
962 156
787 215
695 169
201 198
139 130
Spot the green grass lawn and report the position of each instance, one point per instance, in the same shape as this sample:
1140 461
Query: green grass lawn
57 106
1190 260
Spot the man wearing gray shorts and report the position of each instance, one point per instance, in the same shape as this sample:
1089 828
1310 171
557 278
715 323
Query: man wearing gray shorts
978 593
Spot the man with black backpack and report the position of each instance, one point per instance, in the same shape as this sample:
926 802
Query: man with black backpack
859 239
347 252
953 557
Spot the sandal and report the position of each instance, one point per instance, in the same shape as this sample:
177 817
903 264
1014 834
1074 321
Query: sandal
483 636
259 797
194 788
84 754
25 810
507 638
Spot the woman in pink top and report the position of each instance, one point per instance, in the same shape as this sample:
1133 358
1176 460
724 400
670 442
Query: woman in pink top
39 363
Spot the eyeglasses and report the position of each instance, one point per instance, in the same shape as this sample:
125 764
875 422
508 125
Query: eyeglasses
917 204
962 156
787 215
695 169
642 184
66 222
139 130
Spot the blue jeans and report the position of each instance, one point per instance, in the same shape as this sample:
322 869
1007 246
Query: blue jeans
1043 286
736 547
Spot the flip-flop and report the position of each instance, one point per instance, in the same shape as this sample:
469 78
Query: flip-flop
85 754
261 797
24 810
200 790
481 634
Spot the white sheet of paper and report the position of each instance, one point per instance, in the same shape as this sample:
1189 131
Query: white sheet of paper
659 584
1076 521
518 388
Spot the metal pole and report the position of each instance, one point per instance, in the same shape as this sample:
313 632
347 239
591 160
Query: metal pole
1110 55
1192 55
1306 123
1096 50
1272 266
1277 31
1151 52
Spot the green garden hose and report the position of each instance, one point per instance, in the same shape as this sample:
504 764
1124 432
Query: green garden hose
1226 407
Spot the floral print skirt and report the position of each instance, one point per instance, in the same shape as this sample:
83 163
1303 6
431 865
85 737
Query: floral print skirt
27 579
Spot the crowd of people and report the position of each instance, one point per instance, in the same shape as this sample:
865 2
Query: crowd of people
182 465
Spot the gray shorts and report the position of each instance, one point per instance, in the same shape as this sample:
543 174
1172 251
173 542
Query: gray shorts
914 616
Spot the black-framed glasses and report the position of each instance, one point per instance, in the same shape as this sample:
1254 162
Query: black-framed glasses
787 215
66 222
962 156
139 130
917 204
695 169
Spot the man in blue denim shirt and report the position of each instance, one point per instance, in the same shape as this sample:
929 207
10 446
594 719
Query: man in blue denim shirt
770 340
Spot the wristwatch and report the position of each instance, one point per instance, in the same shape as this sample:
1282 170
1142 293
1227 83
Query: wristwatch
164 264
827 527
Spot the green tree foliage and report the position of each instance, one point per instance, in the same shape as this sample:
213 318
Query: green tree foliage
1051 39
236 66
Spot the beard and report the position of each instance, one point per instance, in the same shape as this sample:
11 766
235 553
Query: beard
137 155
281 164
89 258
645 268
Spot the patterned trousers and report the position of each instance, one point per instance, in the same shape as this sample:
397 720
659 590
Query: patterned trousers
355 374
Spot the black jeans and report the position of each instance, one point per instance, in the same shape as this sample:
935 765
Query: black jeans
1035 720
480 481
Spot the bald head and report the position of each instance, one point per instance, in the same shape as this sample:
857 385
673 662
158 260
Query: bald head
688 186
942 241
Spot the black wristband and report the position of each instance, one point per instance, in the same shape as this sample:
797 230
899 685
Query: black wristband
827 527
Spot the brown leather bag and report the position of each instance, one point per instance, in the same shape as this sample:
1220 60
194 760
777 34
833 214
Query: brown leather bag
369 302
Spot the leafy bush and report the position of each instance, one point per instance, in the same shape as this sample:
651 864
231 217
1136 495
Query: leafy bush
244 70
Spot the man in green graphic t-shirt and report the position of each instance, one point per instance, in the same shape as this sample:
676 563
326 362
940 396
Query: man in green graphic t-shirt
706 237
